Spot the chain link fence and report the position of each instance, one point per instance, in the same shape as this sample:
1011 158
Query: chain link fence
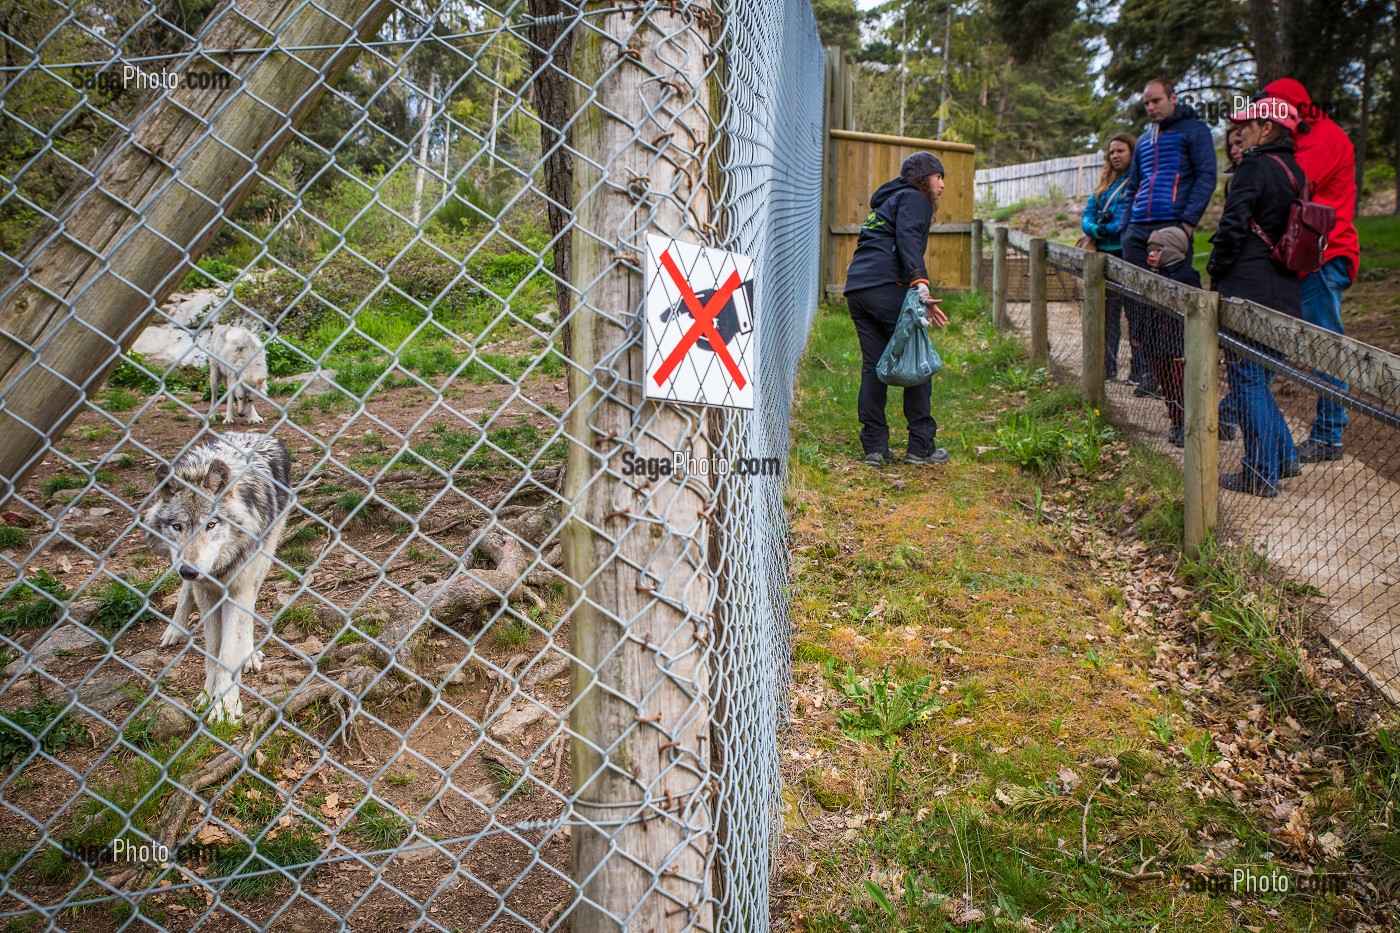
1330 530
348 577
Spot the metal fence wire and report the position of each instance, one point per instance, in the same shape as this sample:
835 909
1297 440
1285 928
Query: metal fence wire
1330 532
348 578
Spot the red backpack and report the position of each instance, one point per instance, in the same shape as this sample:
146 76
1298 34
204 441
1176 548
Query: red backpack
1304 240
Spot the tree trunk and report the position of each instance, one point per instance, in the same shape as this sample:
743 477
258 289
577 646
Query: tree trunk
1395 96
1363 128
551 49
1268 50
943 88
635 552
1003 95
87 282
429 108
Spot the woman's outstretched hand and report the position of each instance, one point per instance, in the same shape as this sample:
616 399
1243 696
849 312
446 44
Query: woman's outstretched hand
935 313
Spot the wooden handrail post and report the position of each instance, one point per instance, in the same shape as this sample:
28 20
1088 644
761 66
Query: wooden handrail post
975 273
999 276
1093 324
1201 396
1040 334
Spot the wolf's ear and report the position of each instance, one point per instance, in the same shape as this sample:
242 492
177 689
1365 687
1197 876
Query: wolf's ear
216 480
162 474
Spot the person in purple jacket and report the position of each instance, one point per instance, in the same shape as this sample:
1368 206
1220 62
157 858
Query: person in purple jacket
1170 182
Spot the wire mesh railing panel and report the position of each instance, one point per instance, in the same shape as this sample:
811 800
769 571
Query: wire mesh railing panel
1331 520
1328 514
348 577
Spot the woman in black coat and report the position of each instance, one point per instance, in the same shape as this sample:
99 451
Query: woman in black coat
888 262
1265 184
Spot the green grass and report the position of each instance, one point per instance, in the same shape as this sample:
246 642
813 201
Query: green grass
1006 212
512 633
12 537
1380 239
378 826
960 620
244 871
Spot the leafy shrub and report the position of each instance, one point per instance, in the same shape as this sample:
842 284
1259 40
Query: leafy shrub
218 272
285 360
24 605
133 372
43 723
118 606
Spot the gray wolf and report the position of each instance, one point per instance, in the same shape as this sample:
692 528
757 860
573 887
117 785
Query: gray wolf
219 511
237 357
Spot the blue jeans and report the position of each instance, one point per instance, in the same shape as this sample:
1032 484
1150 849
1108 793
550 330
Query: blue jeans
1322 305
1268 443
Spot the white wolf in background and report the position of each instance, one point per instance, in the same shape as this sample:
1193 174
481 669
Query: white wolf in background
237 357
219 511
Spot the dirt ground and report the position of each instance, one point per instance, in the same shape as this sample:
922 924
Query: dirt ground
468 801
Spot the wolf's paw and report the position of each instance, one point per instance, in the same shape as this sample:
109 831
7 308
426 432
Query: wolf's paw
229 708
255 418
255 661
174 635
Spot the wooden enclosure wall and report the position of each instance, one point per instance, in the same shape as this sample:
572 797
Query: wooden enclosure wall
858 163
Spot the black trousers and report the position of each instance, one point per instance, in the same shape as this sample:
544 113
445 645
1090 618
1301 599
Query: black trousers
874 312
1135 252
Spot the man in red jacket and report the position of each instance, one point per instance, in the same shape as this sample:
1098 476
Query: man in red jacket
1326 156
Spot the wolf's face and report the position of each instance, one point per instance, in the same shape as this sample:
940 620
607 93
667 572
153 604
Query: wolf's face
188 520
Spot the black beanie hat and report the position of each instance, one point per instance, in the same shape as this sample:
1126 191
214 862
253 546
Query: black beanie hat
920 164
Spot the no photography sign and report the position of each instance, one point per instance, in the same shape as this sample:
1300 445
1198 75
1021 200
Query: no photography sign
701 346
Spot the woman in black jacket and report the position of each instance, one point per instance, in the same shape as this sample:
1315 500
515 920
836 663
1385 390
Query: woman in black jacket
1261 194
889 260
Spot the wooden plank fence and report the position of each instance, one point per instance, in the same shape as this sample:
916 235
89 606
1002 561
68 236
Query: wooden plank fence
1071 176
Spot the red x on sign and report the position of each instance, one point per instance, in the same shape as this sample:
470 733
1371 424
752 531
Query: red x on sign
704 325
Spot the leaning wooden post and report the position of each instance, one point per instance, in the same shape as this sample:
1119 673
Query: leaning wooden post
975 272
999 276
1040 335
635 552
1093 323
1201 396
120 239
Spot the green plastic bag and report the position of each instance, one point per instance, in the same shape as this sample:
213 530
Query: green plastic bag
909 358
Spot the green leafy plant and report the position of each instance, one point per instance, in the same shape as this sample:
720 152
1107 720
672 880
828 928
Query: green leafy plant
44 723
1032 444
1201 750
32 603
885 708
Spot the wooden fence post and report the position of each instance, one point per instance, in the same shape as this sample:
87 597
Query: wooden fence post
1201 396
999 276
975 273
1093 324
1040 335
635 553
81 291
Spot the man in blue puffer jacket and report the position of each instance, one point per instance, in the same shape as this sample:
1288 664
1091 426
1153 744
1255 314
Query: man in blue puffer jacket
1169 183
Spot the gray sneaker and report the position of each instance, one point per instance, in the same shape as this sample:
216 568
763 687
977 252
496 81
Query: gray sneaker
1311 451
878 458
939 455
